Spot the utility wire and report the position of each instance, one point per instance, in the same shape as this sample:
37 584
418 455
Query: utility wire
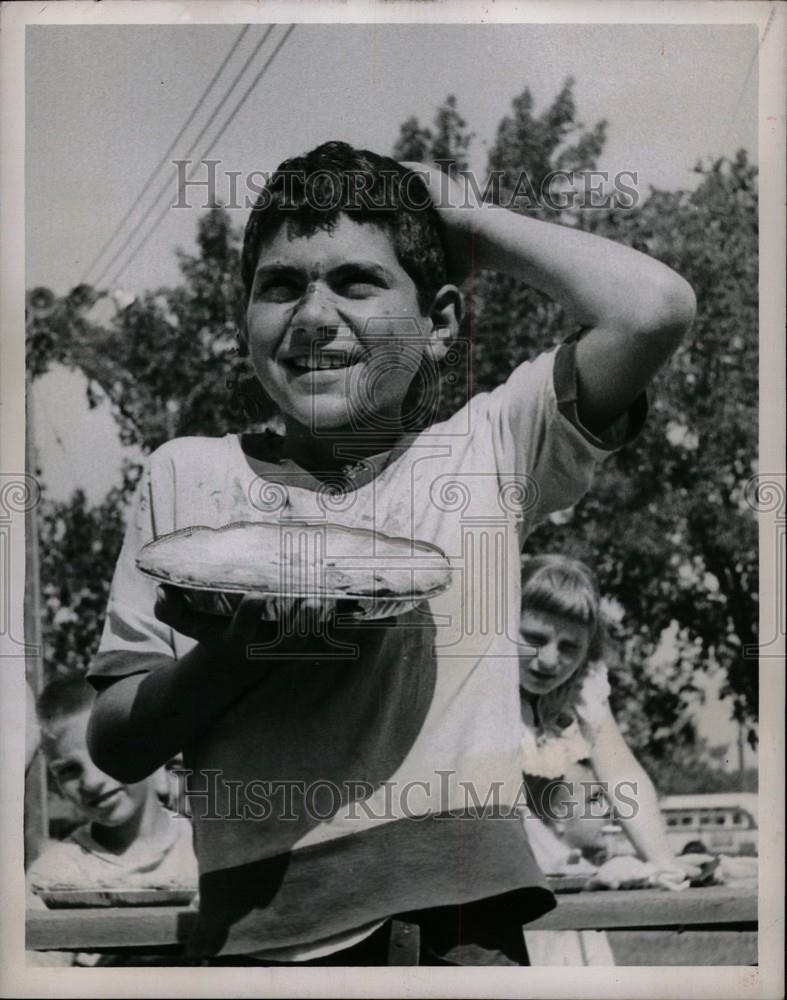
166 155
165 186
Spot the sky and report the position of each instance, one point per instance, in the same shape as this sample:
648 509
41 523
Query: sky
104 103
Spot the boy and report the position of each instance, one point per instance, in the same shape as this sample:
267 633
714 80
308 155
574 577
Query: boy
347 777
568 839
128 840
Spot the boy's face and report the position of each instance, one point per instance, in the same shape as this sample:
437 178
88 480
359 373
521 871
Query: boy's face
554 648
586 809
334 328
100 798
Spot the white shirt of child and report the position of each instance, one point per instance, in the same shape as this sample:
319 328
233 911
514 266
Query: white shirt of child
437 725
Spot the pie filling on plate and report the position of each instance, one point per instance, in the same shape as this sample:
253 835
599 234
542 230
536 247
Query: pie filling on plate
296 558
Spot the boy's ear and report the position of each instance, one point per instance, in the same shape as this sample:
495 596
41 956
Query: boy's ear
446 316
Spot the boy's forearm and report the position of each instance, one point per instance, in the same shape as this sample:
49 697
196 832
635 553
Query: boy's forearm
599 282
141 721
635 309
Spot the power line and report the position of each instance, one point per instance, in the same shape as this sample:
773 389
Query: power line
166 155
165 186
251 87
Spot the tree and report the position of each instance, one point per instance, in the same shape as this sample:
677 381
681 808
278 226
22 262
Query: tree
165 361
666 526
447 144
78 546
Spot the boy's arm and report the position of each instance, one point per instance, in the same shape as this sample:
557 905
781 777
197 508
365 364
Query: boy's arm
635 309
140 721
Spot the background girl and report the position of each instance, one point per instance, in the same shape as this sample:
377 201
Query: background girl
564 694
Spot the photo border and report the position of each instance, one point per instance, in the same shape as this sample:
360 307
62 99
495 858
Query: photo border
766 980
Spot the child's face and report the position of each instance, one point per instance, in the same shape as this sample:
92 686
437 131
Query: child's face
554 647
334 328
102 799
586 810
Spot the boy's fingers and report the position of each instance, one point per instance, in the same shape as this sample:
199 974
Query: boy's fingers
173 609
169 606
246 620
312 614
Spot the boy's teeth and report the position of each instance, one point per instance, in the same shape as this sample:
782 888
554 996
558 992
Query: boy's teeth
309 363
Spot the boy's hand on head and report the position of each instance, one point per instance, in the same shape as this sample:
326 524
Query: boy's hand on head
456 205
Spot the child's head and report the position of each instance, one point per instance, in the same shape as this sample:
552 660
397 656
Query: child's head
63 712
560 627
345 281
579 809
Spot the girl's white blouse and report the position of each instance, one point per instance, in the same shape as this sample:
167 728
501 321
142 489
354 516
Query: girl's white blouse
550 755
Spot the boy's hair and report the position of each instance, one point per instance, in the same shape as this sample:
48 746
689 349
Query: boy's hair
65 695
559 585
311 192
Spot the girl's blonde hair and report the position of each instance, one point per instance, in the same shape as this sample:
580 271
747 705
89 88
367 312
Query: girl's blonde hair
559 585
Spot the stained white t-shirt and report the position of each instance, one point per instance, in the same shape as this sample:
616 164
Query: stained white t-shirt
405 733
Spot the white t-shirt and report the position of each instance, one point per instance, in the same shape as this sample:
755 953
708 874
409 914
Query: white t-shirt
80 862
373 755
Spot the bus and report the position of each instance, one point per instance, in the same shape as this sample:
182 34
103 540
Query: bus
716 823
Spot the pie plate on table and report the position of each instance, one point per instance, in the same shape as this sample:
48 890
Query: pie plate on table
371 574
62 898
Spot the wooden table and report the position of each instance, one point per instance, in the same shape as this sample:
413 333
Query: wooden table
710 926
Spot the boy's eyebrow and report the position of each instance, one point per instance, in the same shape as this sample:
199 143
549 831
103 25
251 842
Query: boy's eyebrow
275 268
368 266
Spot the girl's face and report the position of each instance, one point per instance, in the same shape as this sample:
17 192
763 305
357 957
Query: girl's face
553 648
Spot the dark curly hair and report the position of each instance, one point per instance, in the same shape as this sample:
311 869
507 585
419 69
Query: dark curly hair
311 192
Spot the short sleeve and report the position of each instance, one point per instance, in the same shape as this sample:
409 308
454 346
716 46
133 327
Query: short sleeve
593 698
132 634
543 444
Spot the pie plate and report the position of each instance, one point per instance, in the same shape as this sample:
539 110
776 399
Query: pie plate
369 574
62 898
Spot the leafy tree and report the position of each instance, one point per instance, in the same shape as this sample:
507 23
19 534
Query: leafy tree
666 525
78 547
446 144
697 770
166 361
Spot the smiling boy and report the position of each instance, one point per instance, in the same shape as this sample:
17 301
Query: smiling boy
350 775
127 839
